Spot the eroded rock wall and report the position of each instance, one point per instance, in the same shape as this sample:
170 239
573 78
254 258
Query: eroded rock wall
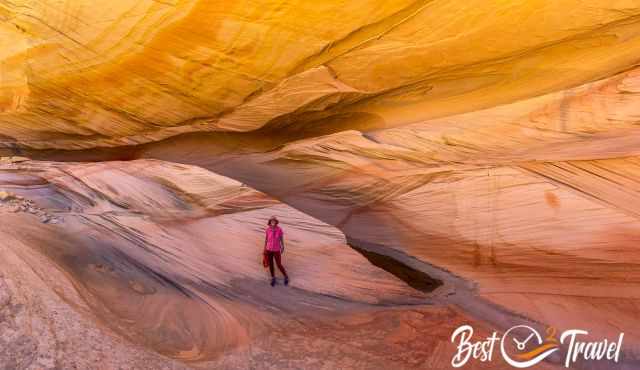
496 140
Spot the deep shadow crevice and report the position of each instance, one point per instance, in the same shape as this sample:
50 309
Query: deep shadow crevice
414 278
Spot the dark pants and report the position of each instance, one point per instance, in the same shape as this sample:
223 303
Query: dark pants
270 256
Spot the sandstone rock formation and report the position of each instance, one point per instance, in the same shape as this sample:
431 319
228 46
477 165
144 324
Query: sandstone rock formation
490 144
77 76
168 257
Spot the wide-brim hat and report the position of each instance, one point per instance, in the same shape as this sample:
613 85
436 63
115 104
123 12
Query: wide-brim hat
273 218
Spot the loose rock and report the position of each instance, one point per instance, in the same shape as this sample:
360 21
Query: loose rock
5 195
20 204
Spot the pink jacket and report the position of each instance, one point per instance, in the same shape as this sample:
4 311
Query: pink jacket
273 236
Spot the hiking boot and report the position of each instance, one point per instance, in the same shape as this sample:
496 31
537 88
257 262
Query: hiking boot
273 281
286 280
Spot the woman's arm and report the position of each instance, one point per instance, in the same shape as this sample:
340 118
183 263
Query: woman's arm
282 243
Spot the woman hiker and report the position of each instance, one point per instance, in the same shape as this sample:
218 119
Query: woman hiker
274 247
